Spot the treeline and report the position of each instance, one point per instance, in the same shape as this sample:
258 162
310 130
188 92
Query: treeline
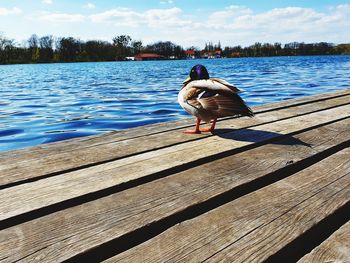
49 49
290 49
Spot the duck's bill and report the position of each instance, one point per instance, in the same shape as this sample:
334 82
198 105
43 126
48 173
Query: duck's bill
187 80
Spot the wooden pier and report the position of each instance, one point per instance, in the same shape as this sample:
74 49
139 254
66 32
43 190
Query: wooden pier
272 188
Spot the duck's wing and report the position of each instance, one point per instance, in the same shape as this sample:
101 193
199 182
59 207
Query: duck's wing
191 92
215 97
227 84
222 106
212 85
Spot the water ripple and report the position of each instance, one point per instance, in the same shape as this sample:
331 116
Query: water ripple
51 102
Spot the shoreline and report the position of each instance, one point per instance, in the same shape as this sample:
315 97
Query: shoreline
184 59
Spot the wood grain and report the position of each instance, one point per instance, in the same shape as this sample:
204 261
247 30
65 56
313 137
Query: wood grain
74 230
334 249
43 160
27 197
255 226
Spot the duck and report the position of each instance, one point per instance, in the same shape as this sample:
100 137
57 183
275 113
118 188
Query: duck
209 99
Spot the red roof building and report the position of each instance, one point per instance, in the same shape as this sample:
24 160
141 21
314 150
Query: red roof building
211 54
148 56
190 53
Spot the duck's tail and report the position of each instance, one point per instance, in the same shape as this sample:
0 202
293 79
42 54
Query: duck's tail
240 107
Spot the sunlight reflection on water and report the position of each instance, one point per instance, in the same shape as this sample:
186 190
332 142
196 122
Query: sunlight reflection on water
50 102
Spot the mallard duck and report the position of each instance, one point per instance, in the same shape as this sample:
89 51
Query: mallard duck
210 98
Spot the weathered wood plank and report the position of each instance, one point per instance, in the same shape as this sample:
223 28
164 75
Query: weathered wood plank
255 226
335 249
301 100
94 223
27 197
26 164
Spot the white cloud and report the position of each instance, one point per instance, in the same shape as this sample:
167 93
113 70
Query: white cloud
244 26
47 2
61 17
13 11
233 25
166 18
119 16
345 8
225 17
166 2
154 18
89 6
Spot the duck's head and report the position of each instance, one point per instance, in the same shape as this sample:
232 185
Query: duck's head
198 72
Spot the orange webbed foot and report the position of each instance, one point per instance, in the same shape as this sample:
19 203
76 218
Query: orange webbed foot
205 129
196 130
209 129
192 131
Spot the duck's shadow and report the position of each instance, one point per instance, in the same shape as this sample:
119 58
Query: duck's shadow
255 136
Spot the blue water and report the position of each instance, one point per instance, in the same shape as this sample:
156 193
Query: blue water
51 102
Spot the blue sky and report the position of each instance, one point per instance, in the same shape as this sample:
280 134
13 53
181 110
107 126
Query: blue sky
232 22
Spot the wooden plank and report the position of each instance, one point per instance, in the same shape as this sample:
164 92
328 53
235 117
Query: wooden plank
38 163
335 249
255 226
301 100
94 223
27 197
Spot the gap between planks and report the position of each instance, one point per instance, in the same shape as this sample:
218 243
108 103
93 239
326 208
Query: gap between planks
31 196
334 249
256 226
106 219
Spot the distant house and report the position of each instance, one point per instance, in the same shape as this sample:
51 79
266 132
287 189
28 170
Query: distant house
208 54
218 53
211 54
148 56
190 54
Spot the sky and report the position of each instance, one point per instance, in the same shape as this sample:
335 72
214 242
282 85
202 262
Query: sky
184 22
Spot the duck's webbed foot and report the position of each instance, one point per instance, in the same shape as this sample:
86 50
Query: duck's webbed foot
209 129
196 130
192 131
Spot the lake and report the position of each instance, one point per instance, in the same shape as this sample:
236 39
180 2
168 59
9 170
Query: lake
44 103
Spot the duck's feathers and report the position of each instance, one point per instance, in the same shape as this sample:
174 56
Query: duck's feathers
214 85
224 82
212 98
221 106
